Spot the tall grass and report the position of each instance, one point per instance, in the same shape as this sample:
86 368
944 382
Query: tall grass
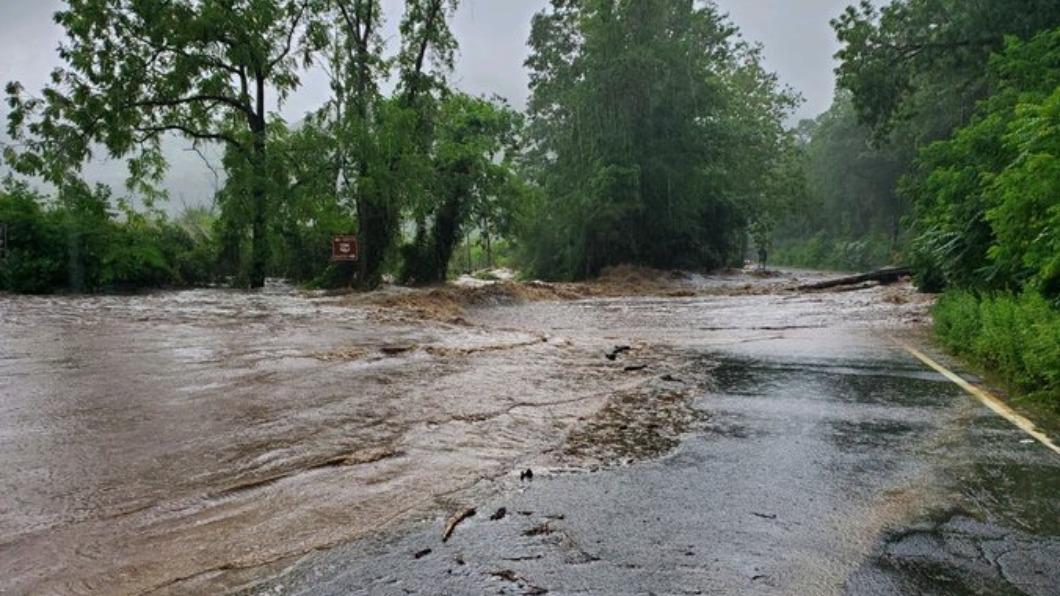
1015 336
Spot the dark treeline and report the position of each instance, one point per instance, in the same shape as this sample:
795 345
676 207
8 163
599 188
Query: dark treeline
656 138
852 217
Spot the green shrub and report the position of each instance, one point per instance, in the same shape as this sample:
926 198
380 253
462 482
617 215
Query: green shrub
1017 337
75 243
987 200
957 322
28 266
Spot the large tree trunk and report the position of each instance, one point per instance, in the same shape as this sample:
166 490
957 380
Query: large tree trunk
259 251
887 275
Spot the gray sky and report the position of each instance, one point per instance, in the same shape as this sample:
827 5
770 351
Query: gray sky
798 41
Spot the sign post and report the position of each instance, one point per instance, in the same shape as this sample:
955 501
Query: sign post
344 249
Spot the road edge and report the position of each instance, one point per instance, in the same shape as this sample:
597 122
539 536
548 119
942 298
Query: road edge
985 397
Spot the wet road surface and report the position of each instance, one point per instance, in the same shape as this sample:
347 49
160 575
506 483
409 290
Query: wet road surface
776 443
826 460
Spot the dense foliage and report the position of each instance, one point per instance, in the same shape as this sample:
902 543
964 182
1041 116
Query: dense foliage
138 70
656 138
851 217
988 200
81 242
424 159
1015 336
921 64
974 87
910 73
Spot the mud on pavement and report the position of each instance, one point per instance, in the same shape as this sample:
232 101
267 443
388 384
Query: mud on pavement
203 441
814 456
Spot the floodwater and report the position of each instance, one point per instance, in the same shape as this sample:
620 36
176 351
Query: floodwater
215 440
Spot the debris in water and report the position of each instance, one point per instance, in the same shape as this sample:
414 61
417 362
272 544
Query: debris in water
499 514
422 553
507 575
613 354
635 367
394 350
539 530
764 515
454 521
671 379
510 576
527 475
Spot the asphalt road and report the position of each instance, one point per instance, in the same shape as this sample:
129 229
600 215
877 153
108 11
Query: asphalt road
827 461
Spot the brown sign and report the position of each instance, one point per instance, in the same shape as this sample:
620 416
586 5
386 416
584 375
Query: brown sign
344 248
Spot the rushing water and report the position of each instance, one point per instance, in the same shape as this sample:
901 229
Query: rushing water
176 439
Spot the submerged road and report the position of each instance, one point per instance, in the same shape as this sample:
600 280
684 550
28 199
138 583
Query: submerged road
749 442
828 460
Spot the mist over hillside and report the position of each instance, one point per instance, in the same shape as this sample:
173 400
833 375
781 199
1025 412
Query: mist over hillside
189 181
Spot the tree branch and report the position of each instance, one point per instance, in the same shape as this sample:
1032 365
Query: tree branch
150 131
425 43
160 102
290 39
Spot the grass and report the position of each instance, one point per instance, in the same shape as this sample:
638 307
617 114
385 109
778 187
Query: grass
1015 337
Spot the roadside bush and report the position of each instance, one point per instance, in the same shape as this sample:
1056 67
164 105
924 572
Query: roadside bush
28 267
1016 336
957 322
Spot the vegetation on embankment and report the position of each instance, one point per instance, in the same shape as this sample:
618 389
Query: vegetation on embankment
1016 337
988 222
958 103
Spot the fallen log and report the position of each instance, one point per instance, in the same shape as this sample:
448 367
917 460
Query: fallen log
884 276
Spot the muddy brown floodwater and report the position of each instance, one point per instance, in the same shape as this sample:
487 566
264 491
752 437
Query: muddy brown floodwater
199 441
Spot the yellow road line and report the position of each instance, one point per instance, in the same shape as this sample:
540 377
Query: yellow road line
990 401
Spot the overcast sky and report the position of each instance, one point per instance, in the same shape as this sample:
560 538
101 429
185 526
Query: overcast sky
799 45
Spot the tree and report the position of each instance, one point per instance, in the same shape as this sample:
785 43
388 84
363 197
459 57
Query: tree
987 207
926 60
471 158
649 126
852 217
382 142
138 70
